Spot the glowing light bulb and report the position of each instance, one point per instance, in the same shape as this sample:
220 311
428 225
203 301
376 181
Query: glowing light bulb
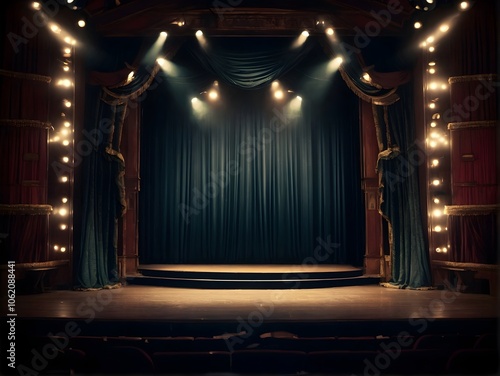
66 68
444 28
67 124
199 33
436 200
432 105
278 94
36 5
433 144
437 213
63 249
464 5
81 23
435 162
64 200
63 212
163 34
436 182
213 95
438 229
432 70
432 49
329 31
56 29
65 159
63 227
305 33
433 124
417 25
64 179
56 247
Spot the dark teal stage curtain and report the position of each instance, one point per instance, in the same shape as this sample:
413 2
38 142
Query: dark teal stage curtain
252 180
398 166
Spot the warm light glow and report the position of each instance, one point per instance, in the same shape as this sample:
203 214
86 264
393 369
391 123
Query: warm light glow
299 98
437 228
435 162
56 247
433 144
432 49
432 63
436 182
444 87
64 200
130 77
437 213
199 33
67 50
434 135
67 103
65 159
275 85
213 95
64 179
432 70
64 132
433 85
63 212
433 124
436 200
430 1
67 39
194 100
70 1
161 61
430 39
65 142
56 29
278 94
417 25
163 34
64 82
432 105
329 31
444 28
63 227
367 77
66 68
436 116
36 5
305 33
464 5
439 250
63 249
67 124
81 23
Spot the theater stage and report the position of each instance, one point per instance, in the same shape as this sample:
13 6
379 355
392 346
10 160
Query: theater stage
136 310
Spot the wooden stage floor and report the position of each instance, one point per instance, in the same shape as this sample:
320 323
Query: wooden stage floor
339 303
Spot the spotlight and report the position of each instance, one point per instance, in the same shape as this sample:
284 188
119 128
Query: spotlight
432 71
430 1
81 23
213 95
275 85
64 200
67 103
67 124
161 61
432 105
63 249
56 29
65 142
417 25
199 33
444 28
432 63
433 124
299 98
464 5
163 34
329 31
436 200
69 1
36 5
194 100
67 50
438 228
67 40
64 179
65 159
435 162
437 213
305 33
430 39
436 182
63 212
278 94
431 49
366 77
63 227
56 247
66 68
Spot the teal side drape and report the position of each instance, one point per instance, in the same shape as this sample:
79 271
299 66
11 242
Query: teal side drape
400 199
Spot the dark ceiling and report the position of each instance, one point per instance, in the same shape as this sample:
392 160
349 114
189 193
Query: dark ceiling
126 18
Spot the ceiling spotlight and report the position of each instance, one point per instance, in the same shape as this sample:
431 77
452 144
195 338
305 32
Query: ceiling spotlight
464 5
432 63
432 49
81 23
430 1
36 5
163 34
305 33
444 28
430 39
432 70
199 33
56 29
161 61
194 100
329 31
278 94
69 1
275 84
417 25
213 95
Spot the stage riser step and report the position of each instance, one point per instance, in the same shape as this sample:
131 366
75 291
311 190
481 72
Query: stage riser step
249 275
252 284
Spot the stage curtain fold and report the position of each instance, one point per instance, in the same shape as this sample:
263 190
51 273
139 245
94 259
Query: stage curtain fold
251 180
103 187
398 170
